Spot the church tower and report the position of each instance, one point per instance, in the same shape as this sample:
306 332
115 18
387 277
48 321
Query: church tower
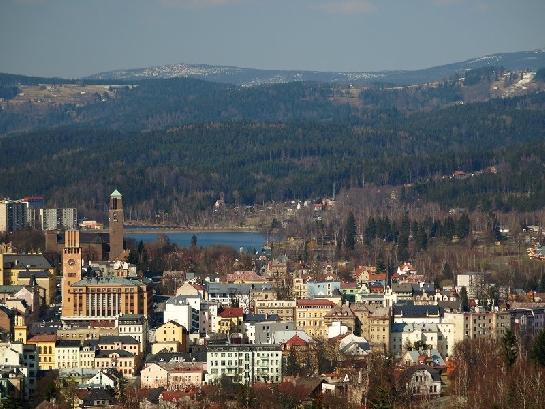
116 226
71 269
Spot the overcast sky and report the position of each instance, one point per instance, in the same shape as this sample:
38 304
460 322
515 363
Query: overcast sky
78 37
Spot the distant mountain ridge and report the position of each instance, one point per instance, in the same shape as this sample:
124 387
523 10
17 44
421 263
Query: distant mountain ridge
521 60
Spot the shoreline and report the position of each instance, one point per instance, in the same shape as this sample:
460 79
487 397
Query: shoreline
129 230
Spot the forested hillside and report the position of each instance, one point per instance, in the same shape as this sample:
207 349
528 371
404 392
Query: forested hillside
291 151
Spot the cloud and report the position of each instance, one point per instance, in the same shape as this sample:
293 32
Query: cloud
346 6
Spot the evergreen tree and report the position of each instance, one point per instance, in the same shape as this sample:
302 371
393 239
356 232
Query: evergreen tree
538 348
510 348
370 230
464 300
380 264
421 238
292 366
350 232
463 226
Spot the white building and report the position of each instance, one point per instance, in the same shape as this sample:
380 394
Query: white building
67 354
136 326
244 363
427 335
23 358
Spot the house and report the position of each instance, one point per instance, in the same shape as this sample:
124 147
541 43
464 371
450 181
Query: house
45 343
374 324
310 315
125 342
171 336
172 375
67 354
103 379
354 345
230 320
245 277
123 361
343 314
430 357
94 398
422 381
285 309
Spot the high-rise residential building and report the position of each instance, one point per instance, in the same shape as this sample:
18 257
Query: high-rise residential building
59 219
13 215
116 225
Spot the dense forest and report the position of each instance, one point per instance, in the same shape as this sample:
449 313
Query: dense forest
176 145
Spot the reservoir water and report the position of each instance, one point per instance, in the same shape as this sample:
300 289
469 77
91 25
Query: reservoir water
234 239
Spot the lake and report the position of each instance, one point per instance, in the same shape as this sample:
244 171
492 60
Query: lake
234 239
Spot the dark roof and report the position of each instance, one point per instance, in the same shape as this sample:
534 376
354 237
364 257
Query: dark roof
89 396
102 353
23 260
260 317
435 373
67 343
111 339
410 310
37 274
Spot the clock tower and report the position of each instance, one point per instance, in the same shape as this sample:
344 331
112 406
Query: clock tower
116 226
71 269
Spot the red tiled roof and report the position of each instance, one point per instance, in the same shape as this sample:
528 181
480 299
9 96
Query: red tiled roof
315 302
348 285
231 312
42 338
297 341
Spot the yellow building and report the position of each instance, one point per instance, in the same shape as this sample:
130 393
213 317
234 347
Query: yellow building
230 320
20 329
20 269
310 315
171 336
45 343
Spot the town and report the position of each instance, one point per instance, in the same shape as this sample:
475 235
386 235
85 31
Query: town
83 326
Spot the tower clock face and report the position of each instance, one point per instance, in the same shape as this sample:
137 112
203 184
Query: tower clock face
71 262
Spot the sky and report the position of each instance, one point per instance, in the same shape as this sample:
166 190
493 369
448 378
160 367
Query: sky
73 38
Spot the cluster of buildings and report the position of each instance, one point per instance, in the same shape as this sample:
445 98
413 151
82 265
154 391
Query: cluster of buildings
111 325
32 212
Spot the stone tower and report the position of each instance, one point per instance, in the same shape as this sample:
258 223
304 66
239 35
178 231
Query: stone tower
116 226
71 269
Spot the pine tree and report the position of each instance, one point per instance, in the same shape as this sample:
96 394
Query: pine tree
538 348
510 348
464 300
350 232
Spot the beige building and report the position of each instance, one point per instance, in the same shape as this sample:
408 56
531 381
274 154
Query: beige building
118 359
172 376
343 314
374 325
310 315
472 325
285 309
